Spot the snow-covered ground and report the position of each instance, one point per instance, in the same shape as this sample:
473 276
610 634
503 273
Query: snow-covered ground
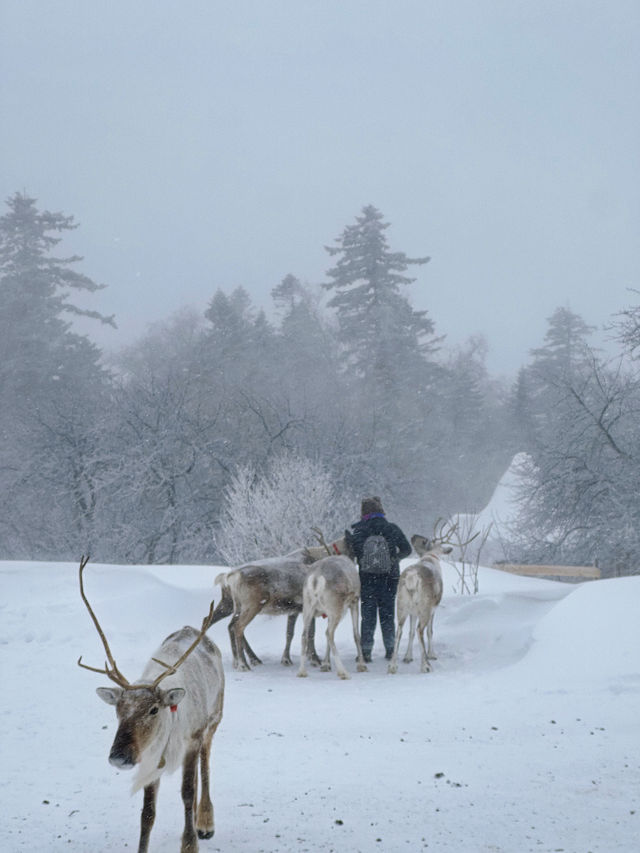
524 737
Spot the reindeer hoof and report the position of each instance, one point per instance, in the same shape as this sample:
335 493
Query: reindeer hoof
326 667
406 660
344 675
205 833
362 667
302 673
286 662
392 668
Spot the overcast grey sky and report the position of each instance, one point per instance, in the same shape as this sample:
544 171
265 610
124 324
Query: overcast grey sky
215 144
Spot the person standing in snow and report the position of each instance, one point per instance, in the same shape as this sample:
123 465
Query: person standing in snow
378 546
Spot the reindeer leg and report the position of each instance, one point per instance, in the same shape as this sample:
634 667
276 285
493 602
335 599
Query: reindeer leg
362 667
334 621
205 823
253 657
425 666
313 655
304 648
239 622
189 782
393 663
285 660
430 653
148 815
234 644
412 632
325 665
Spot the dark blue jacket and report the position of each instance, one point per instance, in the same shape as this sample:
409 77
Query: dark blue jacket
377 525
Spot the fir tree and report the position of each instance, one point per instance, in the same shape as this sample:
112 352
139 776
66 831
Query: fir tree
37 346
51 387
386 349
564 348
381 334
563 358
288 294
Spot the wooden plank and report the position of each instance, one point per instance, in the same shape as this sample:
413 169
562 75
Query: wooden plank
551 571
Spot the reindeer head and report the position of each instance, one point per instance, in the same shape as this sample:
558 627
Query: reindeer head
423 546
343 546
445 537
142 715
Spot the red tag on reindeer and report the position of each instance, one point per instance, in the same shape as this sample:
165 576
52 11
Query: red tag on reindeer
173 708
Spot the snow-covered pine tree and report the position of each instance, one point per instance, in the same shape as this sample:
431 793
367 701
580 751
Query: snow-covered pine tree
565 346
387 350
307 358
50 388
381 333
37 344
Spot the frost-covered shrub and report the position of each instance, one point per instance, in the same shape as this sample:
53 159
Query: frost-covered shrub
270 513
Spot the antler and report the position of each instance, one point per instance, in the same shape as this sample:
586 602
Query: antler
171 668
112 671
445 531
320 538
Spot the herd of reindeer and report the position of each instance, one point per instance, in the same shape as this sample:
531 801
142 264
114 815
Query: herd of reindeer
167 718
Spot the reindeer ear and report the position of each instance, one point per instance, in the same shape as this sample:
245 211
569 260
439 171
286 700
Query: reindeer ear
420 544
172 697
447 549
110 695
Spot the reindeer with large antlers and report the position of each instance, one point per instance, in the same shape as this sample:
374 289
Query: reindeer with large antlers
167 719
420 592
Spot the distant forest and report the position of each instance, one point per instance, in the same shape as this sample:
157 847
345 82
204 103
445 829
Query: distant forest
229 435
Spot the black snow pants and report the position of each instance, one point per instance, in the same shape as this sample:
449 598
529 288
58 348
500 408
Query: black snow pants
378 598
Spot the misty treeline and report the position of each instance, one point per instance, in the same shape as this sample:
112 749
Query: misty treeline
223 437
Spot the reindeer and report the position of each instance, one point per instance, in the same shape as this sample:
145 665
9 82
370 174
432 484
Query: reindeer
272 586
420 592
225 608
332 586
164 725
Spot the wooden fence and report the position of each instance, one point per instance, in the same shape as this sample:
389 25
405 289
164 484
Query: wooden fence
550 571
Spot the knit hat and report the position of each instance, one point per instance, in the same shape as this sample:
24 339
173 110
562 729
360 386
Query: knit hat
370 506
